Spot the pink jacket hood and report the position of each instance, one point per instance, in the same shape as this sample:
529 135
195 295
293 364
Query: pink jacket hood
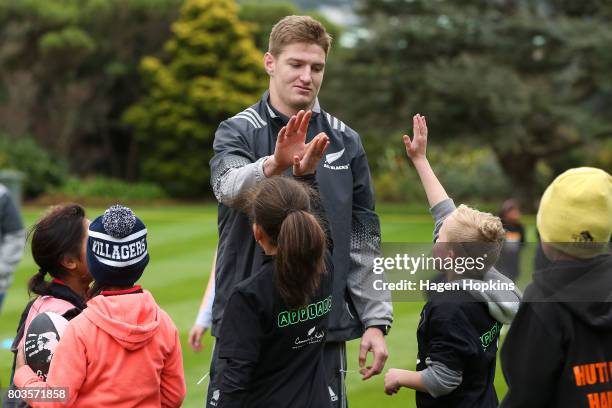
131 319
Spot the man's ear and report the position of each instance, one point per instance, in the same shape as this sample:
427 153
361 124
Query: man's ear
269 63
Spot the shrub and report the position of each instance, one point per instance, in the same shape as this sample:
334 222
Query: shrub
212 70
110 189
466 173
42 171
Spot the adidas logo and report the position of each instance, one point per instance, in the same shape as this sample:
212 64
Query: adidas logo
585 236
215 398
332 394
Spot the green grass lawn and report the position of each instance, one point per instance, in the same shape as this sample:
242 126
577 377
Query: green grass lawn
182 241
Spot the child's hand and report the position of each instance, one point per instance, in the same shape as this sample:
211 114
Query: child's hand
416 148
392 381
195 337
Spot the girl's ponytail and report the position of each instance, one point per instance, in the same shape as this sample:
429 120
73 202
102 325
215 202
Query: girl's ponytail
37 283
281 206
300 258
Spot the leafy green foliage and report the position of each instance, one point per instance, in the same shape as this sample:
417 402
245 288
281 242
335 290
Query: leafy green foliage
42 171
263 16
69 68
110 189
211 71
529 79
459 168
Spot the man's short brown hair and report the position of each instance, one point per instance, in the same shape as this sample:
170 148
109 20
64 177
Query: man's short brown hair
296 29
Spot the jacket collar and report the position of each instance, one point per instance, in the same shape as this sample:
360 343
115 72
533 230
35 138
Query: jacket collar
59 290
275 114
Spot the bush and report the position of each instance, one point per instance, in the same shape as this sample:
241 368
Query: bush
110 189
212 71
466 173
42 171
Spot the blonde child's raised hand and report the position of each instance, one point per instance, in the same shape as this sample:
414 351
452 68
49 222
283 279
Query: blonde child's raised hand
416 151
416 148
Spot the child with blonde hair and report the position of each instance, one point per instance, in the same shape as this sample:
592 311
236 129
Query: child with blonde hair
458 332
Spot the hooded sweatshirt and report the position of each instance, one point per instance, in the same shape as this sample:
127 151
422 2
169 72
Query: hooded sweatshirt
558 351
122 351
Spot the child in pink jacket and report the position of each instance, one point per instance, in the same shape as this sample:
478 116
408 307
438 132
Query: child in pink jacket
123 350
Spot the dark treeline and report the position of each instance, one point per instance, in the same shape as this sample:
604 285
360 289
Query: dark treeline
133 89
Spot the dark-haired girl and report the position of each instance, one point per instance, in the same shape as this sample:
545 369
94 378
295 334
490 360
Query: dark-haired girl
58 243
275 323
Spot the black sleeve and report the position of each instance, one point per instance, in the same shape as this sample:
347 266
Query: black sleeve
450 340
232 391
531 359
232 168
317 207
239 344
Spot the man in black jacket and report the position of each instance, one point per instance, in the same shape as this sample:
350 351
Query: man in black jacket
246 152
558 352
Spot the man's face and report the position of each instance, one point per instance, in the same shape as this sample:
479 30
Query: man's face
295 76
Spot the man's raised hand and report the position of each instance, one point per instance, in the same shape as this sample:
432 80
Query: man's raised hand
290 143
314 153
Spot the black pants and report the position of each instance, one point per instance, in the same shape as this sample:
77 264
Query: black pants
334 355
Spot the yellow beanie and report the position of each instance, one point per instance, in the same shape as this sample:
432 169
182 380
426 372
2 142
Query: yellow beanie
575 213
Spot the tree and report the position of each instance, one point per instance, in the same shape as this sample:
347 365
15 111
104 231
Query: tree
67 73
263 16
529 79
211 71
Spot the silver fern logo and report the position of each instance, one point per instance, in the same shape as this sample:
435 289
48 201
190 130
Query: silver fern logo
332 157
